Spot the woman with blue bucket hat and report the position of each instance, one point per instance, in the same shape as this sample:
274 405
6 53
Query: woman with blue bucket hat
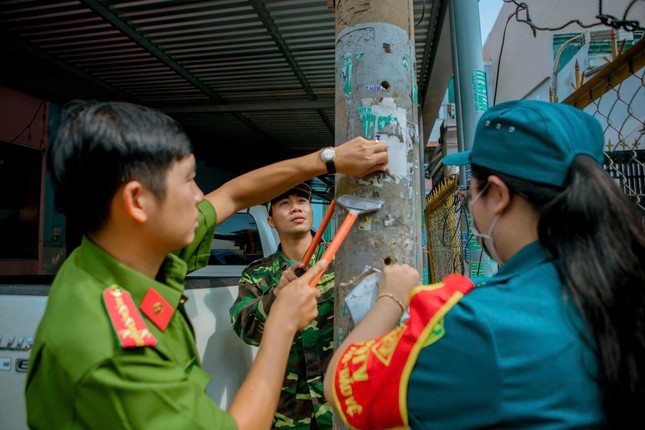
556 338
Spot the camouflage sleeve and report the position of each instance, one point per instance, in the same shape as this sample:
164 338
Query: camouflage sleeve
251 308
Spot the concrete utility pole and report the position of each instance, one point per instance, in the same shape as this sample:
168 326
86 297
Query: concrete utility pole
376 94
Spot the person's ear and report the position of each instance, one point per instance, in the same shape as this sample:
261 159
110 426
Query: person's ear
270 221
136 200
499 196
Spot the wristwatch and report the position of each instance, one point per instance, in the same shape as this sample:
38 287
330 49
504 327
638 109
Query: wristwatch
328 156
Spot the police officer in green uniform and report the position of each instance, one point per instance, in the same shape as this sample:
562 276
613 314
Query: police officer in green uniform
556 338
115 348
302 405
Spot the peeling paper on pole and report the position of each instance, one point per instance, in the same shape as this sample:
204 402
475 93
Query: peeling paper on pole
346 74
362 296
365 224
384 120
387 121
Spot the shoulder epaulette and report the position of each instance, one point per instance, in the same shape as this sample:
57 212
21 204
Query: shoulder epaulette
157 309
130 328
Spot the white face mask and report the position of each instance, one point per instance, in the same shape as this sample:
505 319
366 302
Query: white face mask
485 240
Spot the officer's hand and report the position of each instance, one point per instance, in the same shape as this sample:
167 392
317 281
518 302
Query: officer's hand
288 276
297 302
360 156
398 280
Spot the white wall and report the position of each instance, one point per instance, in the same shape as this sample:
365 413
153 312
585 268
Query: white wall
526 60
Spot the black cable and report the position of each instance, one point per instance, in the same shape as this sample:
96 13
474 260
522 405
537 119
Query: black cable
423 12
612 21
627 9
42 137
499 58
604 19
28 126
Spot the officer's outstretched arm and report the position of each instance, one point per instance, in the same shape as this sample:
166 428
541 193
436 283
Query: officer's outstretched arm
356 157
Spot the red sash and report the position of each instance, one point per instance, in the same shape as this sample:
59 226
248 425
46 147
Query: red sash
371 378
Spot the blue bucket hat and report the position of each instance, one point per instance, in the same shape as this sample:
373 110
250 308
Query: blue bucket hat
532 140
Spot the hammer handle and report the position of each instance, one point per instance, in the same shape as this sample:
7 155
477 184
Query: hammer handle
335 243
319 233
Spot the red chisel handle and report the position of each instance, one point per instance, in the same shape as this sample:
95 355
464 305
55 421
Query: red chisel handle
335 243
319 233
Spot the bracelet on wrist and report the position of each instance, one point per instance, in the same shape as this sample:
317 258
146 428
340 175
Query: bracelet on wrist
393 297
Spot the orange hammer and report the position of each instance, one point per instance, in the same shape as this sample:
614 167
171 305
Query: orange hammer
316 239
356 206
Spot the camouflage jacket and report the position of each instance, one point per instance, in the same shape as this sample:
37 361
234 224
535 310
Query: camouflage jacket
301 399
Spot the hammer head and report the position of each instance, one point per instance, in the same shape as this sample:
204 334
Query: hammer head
359 205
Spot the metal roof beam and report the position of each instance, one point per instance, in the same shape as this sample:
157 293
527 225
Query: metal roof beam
125 28
68 67
251 107
267 21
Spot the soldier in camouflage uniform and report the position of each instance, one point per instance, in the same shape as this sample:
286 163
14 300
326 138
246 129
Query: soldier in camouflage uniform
301 405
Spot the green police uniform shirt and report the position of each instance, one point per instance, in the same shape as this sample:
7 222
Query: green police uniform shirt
513 353
80 376
301 398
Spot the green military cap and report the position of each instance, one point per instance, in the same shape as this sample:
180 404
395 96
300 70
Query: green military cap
302 189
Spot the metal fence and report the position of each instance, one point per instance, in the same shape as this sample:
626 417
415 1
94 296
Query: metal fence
615 96
441 214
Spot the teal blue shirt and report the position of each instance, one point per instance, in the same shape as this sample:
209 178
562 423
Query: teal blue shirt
514 354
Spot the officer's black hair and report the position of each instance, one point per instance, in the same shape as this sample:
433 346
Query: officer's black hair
102 145
596 234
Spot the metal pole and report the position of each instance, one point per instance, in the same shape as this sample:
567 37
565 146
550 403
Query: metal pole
425 275
468 64
376 94
471 100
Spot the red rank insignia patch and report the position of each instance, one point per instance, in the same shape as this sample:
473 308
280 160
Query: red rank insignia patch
157 309
130 329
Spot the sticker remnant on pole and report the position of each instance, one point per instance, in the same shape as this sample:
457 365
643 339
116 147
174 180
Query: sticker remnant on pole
480 94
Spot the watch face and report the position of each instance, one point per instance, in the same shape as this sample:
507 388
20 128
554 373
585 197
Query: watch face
328 154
